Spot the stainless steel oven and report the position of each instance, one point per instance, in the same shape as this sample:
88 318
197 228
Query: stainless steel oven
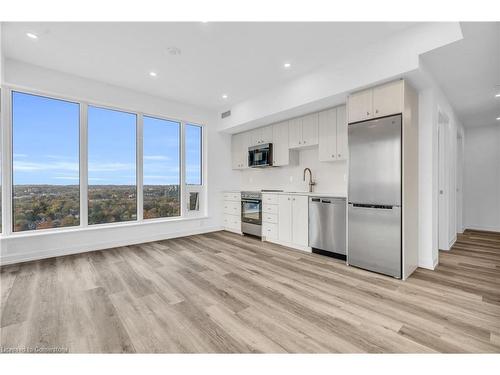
251 213
260 156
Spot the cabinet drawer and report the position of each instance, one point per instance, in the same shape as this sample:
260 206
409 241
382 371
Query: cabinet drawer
269 208
232 222
232 196
269 218
270 199
270 230
232 208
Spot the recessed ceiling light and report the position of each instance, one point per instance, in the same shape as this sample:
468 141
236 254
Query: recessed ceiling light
153 74
497 96
224 96
287 65
32 36
498 118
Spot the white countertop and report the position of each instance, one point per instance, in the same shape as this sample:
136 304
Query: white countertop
313 194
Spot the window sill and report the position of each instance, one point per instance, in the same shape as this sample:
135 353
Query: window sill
146 222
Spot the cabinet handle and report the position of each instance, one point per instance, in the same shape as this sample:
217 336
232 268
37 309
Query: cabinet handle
333 156
288 198
300 142
376 111
340 155
367 113
304 142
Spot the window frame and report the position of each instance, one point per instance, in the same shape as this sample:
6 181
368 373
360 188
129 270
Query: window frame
7 165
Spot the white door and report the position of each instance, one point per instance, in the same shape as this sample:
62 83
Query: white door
342 151
295 132
327 130
285 218
442 184
281 153
360 106
388 99
267 134
300 220
310 129
460 166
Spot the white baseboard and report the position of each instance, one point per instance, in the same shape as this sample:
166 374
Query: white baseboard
487 228
19 258
429 264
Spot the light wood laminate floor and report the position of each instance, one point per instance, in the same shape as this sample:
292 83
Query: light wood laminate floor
221 292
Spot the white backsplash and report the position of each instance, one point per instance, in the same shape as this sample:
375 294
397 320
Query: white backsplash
330 177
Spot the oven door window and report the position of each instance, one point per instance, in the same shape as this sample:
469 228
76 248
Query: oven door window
258 157
251 211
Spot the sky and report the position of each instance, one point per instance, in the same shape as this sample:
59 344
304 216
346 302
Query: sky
46 145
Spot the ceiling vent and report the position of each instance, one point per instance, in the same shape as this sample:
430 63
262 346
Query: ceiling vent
225 114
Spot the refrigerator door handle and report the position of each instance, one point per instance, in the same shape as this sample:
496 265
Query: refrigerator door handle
375 206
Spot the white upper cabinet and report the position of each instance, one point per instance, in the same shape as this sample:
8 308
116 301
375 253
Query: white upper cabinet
332 135
261 135
360 106
303 131
342 142
388 99
295 132
281 152
239 150
328 135
379 101
310 129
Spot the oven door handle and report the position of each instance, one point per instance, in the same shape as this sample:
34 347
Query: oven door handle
251 201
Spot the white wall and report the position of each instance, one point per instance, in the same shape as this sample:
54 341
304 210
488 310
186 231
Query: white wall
482 177
18 247
431 102
330 177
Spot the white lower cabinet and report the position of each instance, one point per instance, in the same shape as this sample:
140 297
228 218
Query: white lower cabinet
232 211
290 224
300 220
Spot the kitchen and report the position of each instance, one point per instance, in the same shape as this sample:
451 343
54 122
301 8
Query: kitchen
335 182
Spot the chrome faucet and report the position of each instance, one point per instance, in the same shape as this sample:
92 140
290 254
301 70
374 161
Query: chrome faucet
311 182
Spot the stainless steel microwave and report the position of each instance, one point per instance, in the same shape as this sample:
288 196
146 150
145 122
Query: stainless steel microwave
260 155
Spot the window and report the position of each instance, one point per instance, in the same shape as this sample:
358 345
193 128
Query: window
45 154
112 188
161 168
193 154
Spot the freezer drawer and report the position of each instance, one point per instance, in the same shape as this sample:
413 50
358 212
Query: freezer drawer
327 224
375 239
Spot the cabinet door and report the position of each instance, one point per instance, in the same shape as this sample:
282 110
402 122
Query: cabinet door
267 134
295 132
255 137
310 129
342 151
327 130
236 151
388 99
281 153
360 106
244 143
285 218
300 220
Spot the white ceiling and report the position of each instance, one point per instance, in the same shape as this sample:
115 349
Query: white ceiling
238 59
468 72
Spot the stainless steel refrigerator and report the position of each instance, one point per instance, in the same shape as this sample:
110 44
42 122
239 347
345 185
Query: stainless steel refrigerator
374 211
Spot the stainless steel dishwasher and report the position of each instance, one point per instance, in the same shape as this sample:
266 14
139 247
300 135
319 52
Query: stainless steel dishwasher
327 226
